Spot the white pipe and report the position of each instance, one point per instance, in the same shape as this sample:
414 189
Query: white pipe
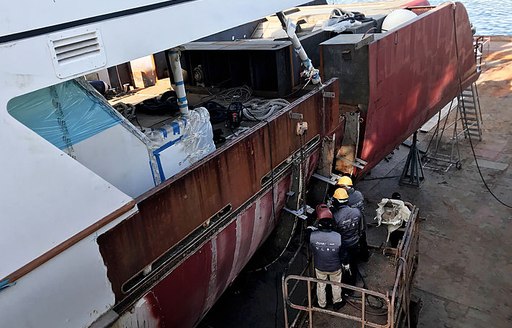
290 27
174 59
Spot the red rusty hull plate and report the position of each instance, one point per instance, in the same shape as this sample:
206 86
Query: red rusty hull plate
230 176
184 296
413 73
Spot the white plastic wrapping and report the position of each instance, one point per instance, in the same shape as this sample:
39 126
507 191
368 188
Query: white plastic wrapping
182 142
199 135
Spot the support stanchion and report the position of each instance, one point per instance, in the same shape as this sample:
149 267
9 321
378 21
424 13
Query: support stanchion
412 173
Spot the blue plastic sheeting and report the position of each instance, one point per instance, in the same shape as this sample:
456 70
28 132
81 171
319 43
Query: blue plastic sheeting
64 114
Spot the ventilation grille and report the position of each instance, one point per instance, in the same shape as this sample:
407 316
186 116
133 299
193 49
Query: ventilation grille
76 52
76 47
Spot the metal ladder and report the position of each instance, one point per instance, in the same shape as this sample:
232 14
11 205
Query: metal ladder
467 122
441 155
470 113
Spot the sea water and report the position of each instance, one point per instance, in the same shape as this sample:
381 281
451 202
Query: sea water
490 17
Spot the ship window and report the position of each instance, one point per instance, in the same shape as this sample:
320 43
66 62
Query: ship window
63 114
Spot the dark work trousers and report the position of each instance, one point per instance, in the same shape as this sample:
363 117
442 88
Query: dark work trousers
364 254
350 278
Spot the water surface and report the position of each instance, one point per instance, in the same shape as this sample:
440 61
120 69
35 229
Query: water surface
490 17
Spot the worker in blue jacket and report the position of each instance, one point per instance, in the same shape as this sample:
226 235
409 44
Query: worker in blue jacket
356 199
326 246
348 224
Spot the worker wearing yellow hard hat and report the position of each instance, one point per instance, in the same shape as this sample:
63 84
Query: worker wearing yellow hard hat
356 199
348 223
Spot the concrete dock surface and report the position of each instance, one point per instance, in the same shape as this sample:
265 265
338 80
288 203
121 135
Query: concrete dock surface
464 278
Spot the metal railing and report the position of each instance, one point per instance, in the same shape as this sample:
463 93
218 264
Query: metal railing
407 257
478 43
310 308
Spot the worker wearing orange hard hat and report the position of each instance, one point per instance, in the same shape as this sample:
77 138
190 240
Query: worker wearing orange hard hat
326 246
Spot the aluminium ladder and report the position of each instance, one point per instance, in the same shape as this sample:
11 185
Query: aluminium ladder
467 122
470 113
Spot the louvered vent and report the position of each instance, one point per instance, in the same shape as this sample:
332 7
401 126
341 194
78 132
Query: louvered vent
76 52
76 47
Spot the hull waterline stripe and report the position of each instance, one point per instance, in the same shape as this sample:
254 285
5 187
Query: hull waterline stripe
94 19
68 243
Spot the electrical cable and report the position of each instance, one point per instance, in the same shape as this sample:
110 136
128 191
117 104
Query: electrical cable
277 301
381 178
264 268
237 94
436 132
464 109
482 177
261 109
368 302
272 178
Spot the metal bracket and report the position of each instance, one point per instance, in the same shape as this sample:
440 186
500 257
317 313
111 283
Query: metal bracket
300 212
328 94
364 42
332 180
359 163
296 116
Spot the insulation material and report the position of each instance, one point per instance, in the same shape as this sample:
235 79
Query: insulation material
182 142
393 213
63 114
345 156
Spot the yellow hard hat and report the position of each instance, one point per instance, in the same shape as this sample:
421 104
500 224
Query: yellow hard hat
344 181
341 195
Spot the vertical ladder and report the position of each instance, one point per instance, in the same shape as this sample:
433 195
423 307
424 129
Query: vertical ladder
469 109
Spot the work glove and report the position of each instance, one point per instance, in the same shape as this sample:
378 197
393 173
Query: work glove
346 268
312 228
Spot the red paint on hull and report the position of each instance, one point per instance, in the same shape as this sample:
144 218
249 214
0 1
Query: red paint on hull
184 296
181 296
413 72
181 293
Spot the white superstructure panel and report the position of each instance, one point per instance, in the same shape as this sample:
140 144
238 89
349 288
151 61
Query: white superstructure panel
71 290
26 15
46 196
119 157
122 39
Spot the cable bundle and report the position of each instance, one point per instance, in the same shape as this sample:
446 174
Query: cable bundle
238 94
261 109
